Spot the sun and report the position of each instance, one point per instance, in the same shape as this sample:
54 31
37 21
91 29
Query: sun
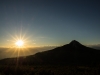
19 43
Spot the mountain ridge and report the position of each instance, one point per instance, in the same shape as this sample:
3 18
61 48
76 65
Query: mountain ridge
73 53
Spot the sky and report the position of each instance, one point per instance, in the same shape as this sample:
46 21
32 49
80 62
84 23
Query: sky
49 22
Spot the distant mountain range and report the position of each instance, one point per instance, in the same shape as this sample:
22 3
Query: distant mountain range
73 53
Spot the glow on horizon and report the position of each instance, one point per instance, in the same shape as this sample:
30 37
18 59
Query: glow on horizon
18 40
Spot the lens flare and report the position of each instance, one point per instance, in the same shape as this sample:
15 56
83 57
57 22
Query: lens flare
19 43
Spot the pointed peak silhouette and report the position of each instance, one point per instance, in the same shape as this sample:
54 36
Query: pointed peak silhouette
75 43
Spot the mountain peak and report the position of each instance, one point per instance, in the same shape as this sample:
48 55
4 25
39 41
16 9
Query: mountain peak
75 43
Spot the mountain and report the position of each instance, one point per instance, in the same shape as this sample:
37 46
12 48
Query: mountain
73 53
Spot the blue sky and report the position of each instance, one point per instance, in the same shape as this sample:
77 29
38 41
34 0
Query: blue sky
49 22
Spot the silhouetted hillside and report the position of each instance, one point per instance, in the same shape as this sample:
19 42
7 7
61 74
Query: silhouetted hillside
73 53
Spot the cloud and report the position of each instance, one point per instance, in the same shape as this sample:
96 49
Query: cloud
96 46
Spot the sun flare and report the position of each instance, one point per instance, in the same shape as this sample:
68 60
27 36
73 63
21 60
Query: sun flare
19 43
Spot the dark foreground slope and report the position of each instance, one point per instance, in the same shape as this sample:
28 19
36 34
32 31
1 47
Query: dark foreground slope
73 53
